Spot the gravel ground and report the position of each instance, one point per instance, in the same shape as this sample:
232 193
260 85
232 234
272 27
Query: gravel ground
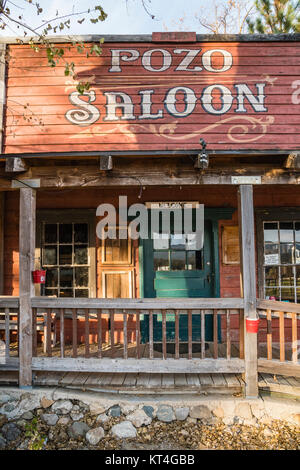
182 436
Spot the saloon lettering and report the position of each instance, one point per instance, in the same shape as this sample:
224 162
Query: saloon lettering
178 101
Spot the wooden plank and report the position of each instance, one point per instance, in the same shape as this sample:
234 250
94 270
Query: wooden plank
193 379
295 346
205 379
176 334
2 210
281 337
2 91
48 333
167 380
190 337
117 379
142 380
151 334
7 335
269 334
141 365
99 330
155 380
125 348
130 380
232 380
215 333
164 335
277 367
87 334
112 332
138 335
277 306
34 332
74 332
248 271
26 287
202 334
62 332
180 380
219 380
228 335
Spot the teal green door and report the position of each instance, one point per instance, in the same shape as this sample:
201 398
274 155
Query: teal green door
172 269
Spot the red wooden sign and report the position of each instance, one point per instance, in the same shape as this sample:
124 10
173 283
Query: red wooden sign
156 96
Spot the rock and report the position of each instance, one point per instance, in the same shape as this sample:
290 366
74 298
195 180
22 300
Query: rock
50 419
124 430
78 429
28 415
94 436
62 407
46 402
2 443
200 412
267 432
184 432
128 409
115 411
3 420
21 423
218 412
165 413
9 407
139 418
103 418
149 410
96 409
63 421
5 398
191 420
296 418
10 432
182 413
243 411
76 416
83 407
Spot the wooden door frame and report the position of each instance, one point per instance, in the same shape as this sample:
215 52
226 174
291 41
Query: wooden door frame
214 215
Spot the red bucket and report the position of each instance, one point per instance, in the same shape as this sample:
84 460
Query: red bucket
252 325
39 276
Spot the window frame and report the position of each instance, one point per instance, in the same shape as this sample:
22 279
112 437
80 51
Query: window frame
69 216
278 214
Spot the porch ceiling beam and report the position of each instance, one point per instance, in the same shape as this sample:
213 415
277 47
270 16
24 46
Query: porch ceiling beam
15 165
89 176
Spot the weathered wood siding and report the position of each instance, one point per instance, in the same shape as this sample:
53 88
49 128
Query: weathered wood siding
243 96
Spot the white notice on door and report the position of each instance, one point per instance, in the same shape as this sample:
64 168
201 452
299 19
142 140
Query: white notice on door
271 259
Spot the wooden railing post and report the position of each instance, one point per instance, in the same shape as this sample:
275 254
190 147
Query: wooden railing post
248 276
26 252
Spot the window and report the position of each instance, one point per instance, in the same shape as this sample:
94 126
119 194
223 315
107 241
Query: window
65 248
176 252
281 260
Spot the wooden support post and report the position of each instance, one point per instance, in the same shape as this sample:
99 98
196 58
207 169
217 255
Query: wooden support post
26 286
2 203
248 276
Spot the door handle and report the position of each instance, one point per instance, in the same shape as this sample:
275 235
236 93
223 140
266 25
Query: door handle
208 278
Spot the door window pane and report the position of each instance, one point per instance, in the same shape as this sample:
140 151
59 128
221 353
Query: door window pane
286 232
65 254
177 242
178 260
161 261
286 253
65 233
161 241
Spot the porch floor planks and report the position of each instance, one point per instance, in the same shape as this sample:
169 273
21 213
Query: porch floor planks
180 380
279 384
167 381
142 380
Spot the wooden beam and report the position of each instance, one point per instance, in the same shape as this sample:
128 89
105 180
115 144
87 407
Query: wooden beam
106 163
2 206
2 90
281 368
15 165
292 161
198 366
248 276
26 286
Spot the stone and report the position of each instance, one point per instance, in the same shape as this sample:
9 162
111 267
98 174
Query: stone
3 420
139 418
46 402
243 411
96 409
296 418
115 411
103 418
78 429
76 416
200 412
128 409
184 432
2 443
165 413
191 420
5 398
149 410
10 432
182 413
83 407
50 419
9 407
62 407
63 421
28 415
94 436
124 430
22 423
267 432
218 412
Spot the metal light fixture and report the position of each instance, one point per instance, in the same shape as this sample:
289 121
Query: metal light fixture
202 161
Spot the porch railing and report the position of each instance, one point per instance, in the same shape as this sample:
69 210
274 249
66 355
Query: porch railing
279 337
120 336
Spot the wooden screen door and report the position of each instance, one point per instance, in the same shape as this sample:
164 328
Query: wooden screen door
173 268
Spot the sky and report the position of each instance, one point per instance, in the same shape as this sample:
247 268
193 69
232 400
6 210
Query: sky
123 17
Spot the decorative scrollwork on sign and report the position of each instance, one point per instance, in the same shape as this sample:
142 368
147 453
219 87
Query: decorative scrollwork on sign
261 124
